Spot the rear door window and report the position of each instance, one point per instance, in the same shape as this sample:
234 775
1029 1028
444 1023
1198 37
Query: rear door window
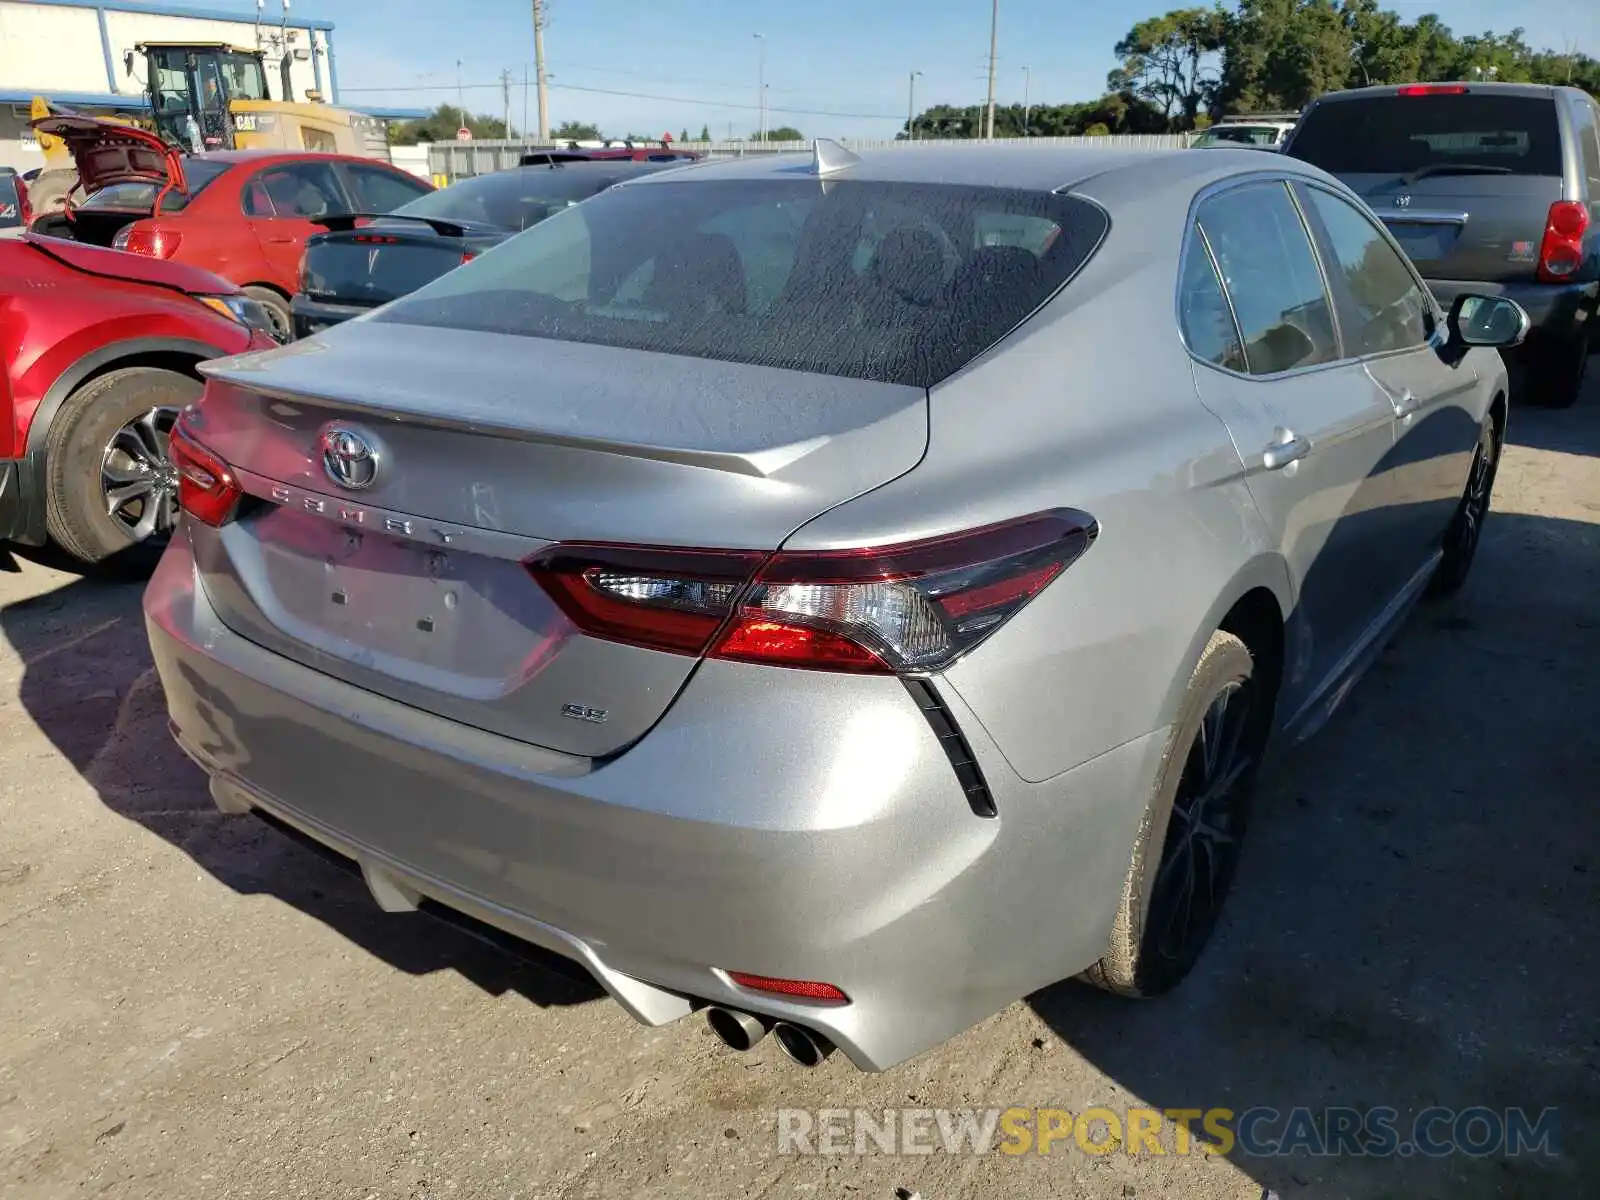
1587 127
304 189
1208 325
1271 275
1380 304
1419 135
893 282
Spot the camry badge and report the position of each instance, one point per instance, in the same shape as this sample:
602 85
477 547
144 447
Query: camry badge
349 457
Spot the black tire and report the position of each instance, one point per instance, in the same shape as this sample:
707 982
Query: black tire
277 308
86 451
1143 959
1465 532
1556 378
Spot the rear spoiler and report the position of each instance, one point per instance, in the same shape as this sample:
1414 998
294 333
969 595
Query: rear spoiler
343 222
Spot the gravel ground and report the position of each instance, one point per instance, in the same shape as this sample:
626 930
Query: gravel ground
192 1006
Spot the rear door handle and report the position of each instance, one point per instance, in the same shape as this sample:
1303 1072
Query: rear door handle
1405 403
1287 448
280 241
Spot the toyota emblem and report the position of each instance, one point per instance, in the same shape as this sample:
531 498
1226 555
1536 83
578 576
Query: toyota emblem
349 457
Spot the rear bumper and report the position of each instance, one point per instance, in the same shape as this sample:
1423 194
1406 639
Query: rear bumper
760 830
313 316
1560 312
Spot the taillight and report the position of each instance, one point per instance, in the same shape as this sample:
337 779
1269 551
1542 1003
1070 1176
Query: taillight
376 239
912 607
1561 253
1432 89
24 204
304 273
467 256
207 490
152 242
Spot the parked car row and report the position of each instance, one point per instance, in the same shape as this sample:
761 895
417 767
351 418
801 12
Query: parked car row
791 571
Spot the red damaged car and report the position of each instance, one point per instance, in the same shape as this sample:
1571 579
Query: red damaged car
98 351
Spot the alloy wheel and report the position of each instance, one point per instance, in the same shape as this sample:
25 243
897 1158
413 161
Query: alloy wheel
1207 823
1475 503
138 482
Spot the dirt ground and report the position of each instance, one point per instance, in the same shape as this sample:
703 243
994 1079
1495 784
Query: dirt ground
192 1006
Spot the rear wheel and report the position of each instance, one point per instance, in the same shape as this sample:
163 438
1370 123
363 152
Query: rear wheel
111 494
1188 847
277 308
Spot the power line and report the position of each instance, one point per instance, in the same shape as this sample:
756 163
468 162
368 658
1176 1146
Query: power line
573 87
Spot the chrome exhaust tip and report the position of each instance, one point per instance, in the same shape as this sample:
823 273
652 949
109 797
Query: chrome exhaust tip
803 1046
737 1030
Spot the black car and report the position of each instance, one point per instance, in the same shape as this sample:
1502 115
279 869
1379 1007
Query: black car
1490 188
364 260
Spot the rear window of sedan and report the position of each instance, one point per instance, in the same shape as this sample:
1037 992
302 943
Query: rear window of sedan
138 196
900 283
1384 135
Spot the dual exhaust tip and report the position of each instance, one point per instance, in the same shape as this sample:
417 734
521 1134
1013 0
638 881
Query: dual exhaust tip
743 1031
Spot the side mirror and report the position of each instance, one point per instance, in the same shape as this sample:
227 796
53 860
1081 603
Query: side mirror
1488 321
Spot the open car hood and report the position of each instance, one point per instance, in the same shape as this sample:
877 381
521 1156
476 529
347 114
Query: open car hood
108 152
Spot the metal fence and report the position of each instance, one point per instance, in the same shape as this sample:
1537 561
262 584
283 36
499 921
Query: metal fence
449 161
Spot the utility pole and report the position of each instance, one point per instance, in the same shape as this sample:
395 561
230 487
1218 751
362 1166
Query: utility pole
505 95
911 108
524 101
1027 80
461 96
538 70
761 87
994 41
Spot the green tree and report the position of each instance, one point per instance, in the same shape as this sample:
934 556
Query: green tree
441 124
783 133
1165 60
1098 129
683 135
705 133
576 131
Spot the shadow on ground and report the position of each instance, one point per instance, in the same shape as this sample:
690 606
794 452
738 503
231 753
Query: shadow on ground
1413 924
89 685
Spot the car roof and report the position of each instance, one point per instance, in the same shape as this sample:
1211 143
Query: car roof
1486 87
1010 164
264 155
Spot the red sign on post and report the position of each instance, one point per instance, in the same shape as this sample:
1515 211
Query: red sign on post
463 134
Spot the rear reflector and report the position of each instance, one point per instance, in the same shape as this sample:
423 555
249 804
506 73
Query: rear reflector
1561 252
912 607
207 490
1432 89
799 989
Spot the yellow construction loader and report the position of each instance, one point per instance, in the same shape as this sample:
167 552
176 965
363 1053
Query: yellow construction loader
212 96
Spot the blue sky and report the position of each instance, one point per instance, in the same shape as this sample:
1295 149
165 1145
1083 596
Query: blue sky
827 56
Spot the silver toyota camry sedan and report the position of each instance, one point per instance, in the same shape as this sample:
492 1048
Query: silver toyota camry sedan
842 593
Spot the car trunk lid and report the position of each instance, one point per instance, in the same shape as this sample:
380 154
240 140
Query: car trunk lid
369 262
490 449
108 152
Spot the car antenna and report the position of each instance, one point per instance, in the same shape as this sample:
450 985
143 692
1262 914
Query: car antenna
829 156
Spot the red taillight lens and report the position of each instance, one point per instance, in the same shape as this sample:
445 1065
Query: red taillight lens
661 599
24 204
1432 89
800 989
1561 253
207 490
376 239
467 256
152 243
913 607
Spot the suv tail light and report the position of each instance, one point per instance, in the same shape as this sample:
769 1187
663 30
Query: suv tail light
207 490
909 608
24 203
151 242
1561 253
